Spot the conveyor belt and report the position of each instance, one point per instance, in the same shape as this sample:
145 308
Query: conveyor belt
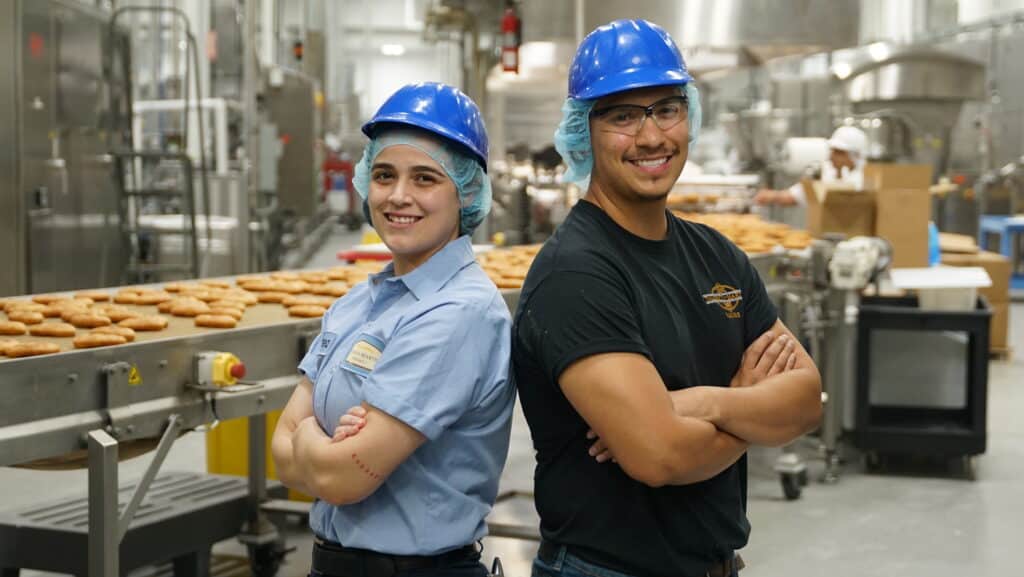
262 314
259 315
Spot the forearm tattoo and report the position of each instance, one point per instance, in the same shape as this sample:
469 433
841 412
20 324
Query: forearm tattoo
365 468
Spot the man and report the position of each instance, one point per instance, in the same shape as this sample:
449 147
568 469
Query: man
845 163
632 330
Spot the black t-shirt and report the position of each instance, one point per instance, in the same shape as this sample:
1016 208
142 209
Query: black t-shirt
691 303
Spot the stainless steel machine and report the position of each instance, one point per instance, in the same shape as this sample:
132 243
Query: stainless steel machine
293 214
61 113
817 293
289 100
908 100
91 406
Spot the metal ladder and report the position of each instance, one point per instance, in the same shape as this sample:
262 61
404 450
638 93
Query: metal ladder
142 177
156 182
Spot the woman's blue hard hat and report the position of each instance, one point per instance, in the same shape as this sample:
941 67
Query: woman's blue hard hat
438 108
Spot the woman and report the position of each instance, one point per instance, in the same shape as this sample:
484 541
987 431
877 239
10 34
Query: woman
401 425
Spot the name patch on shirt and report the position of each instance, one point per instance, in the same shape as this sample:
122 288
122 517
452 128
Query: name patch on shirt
364 354
726 297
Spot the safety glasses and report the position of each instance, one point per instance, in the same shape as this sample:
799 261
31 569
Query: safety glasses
628 119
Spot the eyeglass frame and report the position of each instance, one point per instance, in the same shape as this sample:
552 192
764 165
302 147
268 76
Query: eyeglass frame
648 113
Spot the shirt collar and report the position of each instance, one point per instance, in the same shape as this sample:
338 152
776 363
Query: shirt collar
430 276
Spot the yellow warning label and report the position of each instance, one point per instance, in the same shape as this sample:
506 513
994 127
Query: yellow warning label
134 378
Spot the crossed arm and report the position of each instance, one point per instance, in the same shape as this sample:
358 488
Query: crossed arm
661 438
772 411
345 469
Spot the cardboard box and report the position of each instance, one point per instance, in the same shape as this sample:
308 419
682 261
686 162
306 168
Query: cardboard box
901 217
996 265
961 243
881 176
839 209
999 326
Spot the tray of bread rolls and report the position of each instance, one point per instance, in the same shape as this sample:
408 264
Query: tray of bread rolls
127 358
753 234
43 324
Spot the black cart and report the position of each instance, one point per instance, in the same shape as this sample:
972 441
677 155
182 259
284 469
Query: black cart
907 427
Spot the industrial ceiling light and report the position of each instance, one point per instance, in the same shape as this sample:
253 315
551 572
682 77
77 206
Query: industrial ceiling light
392 49
879 51
842 70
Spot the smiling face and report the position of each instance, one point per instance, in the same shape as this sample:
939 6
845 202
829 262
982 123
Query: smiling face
642 167
413 204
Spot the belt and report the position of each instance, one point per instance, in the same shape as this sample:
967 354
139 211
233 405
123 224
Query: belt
333 559
548 553
725 568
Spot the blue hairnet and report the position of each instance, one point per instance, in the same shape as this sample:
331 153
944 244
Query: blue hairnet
572 137
471 182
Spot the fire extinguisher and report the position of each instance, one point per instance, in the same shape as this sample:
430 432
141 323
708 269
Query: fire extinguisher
510 41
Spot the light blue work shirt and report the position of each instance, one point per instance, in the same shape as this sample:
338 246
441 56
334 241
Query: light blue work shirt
430 348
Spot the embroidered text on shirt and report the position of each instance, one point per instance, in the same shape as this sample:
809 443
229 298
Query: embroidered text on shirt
726 297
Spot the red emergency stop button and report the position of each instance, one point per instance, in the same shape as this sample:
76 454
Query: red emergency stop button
237 370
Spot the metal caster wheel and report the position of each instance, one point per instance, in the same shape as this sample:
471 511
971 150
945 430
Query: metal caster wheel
872 462
970 468
266 559
791 486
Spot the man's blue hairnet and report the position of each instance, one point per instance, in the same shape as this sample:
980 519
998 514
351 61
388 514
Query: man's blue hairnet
471 182
572 138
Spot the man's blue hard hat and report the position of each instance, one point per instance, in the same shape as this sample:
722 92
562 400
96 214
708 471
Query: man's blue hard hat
625 55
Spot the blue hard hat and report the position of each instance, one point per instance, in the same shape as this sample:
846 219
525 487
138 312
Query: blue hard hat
624 55
438 108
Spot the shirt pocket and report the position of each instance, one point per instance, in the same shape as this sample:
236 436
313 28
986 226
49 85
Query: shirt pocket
363 354
344 391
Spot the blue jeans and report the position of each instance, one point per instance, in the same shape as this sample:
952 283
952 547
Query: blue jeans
466 568
568 565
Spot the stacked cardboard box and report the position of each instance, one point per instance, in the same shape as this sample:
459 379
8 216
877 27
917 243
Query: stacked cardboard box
998 295
895 204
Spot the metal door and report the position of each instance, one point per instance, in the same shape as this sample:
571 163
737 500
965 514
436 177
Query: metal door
12 232
90 208
44 176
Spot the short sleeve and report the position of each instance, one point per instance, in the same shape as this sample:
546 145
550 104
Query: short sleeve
572 315
430 370
760 313
310 363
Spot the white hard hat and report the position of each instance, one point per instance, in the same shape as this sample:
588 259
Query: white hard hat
850 139
332 141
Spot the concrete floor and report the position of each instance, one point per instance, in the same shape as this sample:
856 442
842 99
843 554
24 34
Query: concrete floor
911 521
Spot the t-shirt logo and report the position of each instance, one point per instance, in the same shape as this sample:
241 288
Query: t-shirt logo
726 297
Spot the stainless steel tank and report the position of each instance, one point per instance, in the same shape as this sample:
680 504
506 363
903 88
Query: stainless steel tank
889 136
757 29
925 88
